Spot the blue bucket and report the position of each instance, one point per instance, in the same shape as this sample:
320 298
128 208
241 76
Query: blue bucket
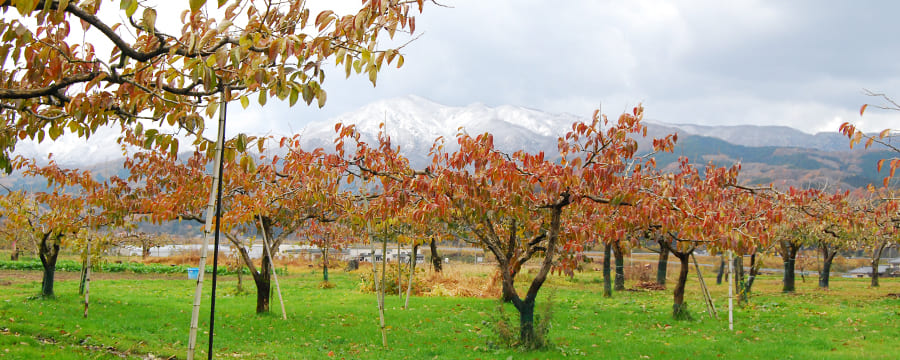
193 273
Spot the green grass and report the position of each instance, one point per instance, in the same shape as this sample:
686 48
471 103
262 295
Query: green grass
151 316
65 265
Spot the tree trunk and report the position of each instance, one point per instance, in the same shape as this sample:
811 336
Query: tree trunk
87 279
507 290
827 258
679 308
876 258
263 290
325 263
620 267
607 280
15 251
145 249
263 280
789 275
748 284
436 262
240 276
662 266
739 276
721 271
48 252
83 276
789 257
527 335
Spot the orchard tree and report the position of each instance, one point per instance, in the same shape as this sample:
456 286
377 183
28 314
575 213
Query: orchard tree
75 202
708 209
272 199
796 230
877 226
175 72
15 207
516 204
836 214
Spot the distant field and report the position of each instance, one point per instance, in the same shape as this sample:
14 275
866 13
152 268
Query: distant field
147 316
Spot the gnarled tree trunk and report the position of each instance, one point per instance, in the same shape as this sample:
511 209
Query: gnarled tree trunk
679 308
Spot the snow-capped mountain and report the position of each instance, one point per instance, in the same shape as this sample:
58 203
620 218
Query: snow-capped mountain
414 123
769 154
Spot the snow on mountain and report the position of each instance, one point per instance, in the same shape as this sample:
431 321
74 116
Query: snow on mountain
414 123
70 150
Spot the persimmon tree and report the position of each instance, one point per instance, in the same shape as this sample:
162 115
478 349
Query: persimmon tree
15 206
709 209
75 202
273 197
835 213
877 226
797 228
514 204
175 72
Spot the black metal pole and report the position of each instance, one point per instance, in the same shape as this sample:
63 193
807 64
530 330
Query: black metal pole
221 165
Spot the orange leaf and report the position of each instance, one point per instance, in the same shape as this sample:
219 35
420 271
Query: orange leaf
862 109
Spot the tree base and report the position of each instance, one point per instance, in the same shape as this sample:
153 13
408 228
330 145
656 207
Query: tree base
680 312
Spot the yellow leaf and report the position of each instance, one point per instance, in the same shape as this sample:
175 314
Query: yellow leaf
195 4
149 19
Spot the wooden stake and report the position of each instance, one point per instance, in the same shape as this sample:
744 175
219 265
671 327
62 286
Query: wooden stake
710 307
381 292
207 231
730 292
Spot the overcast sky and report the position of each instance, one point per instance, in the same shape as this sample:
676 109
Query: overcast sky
798 63
802 64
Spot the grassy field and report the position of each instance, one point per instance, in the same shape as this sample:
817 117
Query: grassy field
146 316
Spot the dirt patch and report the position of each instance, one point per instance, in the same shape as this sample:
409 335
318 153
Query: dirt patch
893 295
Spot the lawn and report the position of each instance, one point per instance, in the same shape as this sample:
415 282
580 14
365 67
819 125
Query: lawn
147 316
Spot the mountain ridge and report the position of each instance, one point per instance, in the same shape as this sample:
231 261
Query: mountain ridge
768 153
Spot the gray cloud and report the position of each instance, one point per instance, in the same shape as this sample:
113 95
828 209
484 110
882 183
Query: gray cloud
798 63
